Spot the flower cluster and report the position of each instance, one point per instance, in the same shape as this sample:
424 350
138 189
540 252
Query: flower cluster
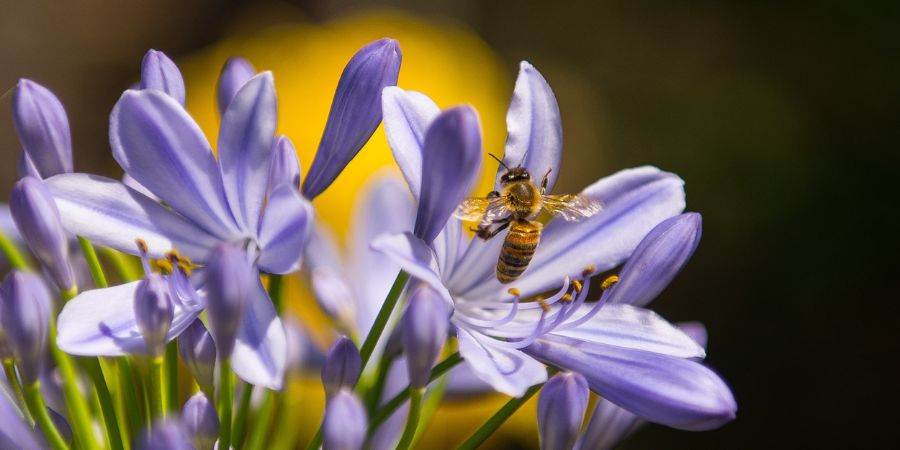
199 243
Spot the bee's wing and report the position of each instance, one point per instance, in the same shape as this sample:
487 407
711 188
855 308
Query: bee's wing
571 207
480 209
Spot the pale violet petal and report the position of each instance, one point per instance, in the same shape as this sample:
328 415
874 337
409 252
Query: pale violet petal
534 131
413 256
43 128
111 214
509 371
285 166
407 114
657 259
101 322
609 425
284 231
235 73
155 140
132 183
260 353
696 331
637 328
384 207
245 148
160 73
635 201
677 392
451 162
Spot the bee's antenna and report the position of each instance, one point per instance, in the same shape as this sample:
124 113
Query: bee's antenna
6 94
524 156
499 161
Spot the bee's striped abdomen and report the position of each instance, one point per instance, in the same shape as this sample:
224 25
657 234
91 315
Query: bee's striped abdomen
518 248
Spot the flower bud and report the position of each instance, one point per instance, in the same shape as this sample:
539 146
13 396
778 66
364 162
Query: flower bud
199 419
160 73
345 422
198 351
342 366
355 111
165 435
61 425
37 218
229 282
236 72
24 314
424 330
154 311
43 128
561 406
302 353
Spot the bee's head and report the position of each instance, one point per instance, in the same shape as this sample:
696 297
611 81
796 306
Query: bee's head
515 174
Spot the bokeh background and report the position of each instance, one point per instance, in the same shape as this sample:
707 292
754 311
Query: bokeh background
782 118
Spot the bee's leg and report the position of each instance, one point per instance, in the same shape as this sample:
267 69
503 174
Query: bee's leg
485 232
545 180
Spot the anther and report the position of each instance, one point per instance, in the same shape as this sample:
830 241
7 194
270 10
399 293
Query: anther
541 301
588 271
609 281
514 292
577 285
566 298
142 246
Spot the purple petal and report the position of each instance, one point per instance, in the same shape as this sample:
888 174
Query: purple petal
344 425
101 322
561 406
509 371
463 382
424 327
108 213
235 73
413 256
609 425
245 148
534 131
695 330
285 167
407 115
133 184
635 200
159 145
160 73
260 354
284 231
43 128
677 392
450 163
657 259
635 328
14 431
334 296
373 273
355 112
25 167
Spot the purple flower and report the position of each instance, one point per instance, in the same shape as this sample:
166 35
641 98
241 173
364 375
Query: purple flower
14 431
500 337
153 311
200 422
165 435
43 129
198 351
235 73
24 315
230 280
342 366
424 329
35 213
160 73
560 410
345 422
355 111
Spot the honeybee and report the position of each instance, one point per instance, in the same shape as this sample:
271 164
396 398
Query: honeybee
516 207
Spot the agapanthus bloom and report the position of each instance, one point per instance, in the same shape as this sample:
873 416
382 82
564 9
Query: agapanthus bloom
499 335
207 199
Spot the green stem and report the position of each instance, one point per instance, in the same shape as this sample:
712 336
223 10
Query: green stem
12 377
390 302
316 441
438 371
240 417
276 292
154 392
430 406
13 255
226 397
491 425
79 414
93 263
92 367
121 263
373 395
39 411
127 388
412 420
171 376
257 438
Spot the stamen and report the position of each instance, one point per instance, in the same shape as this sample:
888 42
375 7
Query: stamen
609 282
514 292
567 298
144 249
588 271
541 301
577 285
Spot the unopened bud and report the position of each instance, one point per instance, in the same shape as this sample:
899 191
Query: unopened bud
424 330
236 72
342 366
198 351
43 129
165 435
345 423
25 314
159 72
561 406
229 282
200 422
154 311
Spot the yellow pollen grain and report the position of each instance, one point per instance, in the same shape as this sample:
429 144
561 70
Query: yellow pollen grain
567 298
163 265
588 270
577 285
514 292
609 281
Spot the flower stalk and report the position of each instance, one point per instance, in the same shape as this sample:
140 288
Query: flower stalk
39 410
412 421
